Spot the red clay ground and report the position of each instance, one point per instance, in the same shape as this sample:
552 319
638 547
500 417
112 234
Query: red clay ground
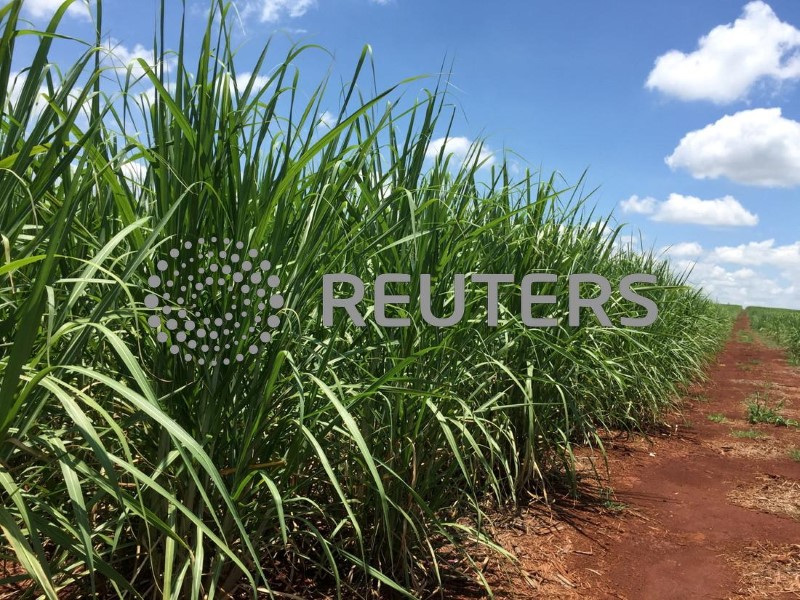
701 510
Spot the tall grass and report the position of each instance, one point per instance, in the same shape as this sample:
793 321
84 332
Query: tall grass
353 457
780 325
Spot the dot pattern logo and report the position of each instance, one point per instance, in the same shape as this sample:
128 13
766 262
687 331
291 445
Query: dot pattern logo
197 275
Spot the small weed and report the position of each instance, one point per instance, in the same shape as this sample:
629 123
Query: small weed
698 397
614 506
760 411
749 434
717 418
794 454
744 336
609 501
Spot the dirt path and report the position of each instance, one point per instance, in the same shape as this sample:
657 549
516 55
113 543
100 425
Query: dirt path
708 509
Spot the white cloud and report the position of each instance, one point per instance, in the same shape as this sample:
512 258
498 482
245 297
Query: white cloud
42 98
731 59
740 286
761 253
461 148
627 242
720 212
135 170
148 96
276 11
17 82
754 147
120 57
272 11
327 120
39 9
639 206
243 80
756 273
683 250
744 286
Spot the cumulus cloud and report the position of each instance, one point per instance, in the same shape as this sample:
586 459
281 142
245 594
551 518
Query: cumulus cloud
760 273
327 120
460 148
148 96
135 170
272 11
683 250
627 242
120 57
754 147
280 11
17 83
42 98
723 212
639 206
786 257
40 9
720 212
731 59
243 80
742 286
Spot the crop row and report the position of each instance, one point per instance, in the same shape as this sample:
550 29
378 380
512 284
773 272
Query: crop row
133 465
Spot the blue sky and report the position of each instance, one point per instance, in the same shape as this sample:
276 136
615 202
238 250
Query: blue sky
685 113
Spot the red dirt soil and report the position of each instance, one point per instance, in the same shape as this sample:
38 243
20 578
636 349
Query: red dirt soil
696 512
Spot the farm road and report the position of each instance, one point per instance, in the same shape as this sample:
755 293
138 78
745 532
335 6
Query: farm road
707 508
